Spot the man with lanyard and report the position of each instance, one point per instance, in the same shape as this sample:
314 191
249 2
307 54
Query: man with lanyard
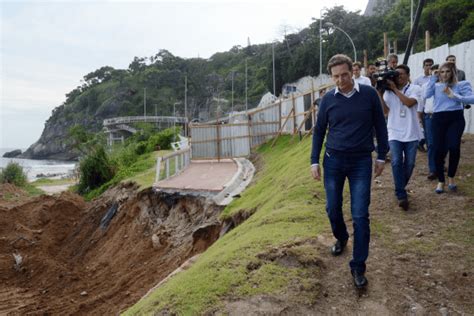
351 113
421 81
404 130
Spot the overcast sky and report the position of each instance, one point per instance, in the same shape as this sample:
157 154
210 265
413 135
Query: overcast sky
48 46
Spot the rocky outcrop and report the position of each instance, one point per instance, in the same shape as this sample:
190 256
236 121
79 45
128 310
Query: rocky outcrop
12 154
54 142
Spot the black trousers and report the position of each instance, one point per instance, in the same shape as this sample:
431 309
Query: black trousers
448 128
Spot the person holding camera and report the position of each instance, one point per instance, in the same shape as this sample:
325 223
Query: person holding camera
404 131
448 120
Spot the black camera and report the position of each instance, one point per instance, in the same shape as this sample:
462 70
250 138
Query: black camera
383 74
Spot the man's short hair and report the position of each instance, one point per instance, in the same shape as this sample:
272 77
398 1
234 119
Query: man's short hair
339 59
357 63
449 56
392 56
404 67
434 67
370 64
428 60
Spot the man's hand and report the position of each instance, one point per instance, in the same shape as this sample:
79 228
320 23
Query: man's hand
316 172
392 85
378 168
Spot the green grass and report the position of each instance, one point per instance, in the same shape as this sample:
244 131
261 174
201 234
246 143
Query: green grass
49 182
284 211
147 178
141 171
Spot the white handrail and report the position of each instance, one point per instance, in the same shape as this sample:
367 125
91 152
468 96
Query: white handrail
149 119
182 158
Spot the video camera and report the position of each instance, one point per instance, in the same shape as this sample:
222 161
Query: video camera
383 74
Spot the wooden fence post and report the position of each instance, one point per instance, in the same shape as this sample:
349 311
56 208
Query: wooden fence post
427 40
294 112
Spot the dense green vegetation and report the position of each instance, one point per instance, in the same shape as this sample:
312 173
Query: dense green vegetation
99 169
109 92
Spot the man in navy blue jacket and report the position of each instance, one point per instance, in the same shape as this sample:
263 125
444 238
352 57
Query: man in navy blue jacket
351 113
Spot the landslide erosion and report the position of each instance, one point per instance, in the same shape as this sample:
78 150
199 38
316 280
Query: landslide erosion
60 255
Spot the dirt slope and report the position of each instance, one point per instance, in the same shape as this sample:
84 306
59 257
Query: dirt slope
71 265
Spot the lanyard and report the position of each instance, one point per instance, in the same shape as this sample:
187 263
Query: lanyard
406 88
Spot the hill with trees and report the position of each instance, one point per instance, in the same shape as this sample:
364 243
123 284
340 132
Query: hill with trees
108 92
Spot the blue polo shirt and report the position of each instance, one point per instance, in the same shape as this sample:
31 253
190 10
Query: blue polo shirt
350 121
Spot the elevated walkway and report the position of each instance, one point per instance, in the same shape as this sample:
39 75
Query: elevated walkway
118 128
218 180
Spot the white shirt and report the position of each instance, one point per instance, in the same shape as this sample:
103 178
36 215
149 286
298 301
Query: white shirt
403 124
422 80
362 80
426 105
355 89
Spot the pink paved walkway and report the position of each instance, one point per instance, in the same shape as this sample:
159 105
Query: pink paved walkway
202 176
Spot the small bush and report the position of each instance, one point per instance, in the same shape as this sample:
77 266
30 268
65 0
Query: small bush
163 139
141 148
13 173
95 169
124 156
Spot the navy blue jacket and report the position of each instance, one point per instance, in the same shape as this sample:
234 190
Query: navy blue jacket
351 123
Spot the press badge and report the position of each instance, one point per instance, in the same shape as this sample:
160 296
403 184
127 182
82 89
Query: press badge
403 111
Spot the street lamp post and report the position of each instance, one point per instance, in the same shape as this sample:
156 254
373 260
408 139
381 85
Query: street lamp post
329 24
273 62
320 40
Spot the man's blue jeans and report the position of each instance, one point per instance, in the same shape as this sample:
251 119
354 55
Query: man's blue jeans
357 168
429 141
403 162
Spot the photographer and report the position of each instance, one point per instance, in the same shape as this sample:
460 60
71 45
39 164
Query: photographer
448 120
404 130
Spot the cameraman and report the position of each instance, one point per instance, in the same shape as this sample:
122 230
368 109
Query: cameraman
404 130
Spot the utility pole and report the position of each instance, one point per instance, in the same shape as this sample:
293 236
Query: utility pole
320 42
273 59
144 103
186 105
246 94
232 103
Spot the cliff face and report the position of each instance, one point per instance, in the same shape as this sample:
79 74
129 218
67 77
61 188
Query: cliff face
53 143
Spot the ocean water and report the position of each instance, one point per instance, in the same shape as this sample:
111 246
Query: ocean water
36 167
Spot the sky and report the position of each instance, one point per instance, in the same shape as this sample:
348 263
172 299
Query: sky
47 47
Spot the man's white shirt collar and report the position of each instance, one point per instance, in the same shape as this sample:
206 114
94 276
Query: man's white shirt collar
351 93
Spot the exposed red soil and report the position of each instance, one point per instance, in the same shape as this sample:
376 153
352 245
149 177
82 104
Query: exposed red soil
70 265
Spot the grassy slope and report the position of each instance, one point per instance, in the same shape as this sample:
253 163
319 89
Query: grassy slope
282 199
147 178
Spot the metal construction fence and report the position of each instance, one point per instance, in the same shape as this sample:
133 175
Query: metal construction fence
228 140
